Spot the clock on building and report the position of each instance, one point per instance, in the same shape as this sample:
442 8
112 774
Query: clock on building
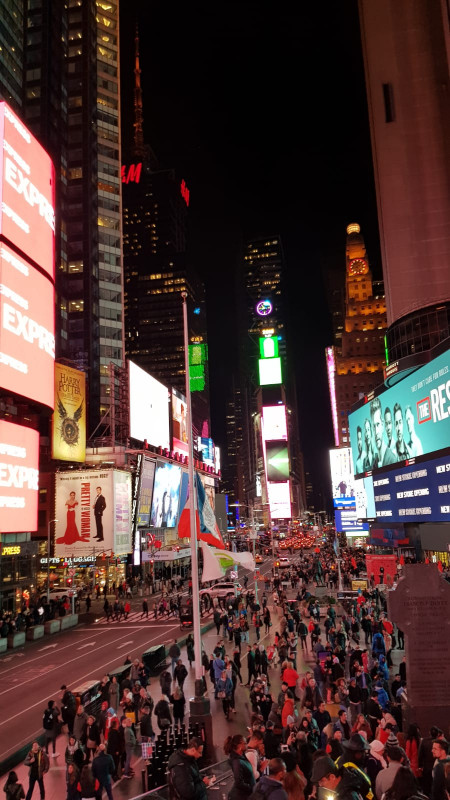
264 308
358 266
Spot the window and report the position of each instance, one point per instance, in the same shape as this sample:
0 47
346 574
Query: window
76 305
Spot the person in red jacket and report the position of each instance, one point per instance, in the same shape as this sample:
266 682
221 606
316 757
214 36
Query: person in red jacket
290 676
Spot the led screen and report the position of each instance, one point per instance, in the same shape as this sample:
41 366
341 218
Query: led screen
388 537
145 492
19 478
69 419
346 521
279 500
408 420
149 408
27 185
342 480
166 495
93 511
179 423
269 371
417 493
277 461
364 498
206 450
274 418
27 330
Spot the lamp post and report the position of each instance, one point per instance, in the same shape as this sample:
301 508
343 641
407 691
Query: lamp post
48 557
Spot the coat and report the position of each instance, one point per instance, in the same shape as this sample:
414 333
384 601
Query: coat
102 768
184 777
244 780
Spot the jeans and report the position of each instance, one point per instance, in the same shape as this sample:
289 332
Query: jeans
126 769
108 789
40 781
173 665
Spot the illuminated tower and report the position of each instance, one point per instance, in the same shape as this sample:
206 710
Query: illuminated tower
355 362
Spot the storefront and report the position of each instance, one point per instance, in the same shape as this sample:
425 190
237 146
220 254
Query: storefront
166 564
18 562
79 571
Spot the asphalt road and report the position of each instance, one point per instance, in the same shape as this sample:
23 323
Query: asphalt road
33 675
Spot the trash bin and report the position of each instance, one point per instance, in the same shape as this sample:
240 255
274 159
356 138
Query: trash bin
120 672
154 659
88 695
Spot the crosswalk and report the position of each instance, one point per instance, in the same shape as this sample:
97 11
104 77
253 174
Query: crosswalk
136 617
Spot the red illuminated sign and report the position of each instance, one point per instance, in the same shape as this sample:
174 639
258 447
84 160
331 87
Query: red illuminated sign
131 174
184 192
19 478
27 186
27 329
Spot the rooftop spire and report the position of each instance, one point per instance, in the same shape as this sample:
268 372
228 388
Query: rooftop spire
139 147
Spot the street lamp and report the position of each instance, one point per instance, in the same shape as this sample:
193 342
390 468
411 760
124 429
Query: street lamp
253 537
48 557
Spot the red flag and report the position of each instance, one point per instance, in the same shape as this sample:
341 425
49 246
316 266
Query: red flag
353 562
402 560
440 566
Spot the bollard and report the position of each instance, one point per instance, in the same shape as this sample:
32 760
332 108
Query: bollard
144 780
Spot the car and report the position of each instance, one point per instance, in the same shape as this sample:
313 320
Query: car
284 561
223 589
259 559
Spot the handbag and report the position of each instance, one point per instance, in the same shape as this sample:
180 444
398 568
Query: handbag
221 694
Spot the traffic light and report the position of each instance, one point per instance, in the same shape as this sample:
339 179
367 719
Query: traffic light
277 563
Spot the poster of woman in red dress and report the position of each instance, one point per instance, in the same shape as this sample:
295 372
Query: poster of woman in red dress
71 534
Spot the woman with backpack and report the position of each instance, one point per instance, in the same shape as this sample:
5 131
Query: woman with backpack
244 781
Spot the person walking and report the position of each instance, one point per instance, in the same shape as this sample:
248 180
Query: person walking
39 764
180 673
174 653
50 726
103 769
178 702
144 609
113 693
190 649
12 788
130 744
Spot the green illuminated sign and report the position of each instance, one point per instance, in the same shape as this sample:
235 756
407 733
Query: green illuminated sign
268 346
198 354
386 351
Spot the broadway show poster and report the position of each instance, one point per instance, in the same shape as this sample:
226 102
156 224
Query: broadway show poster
69 418
93 512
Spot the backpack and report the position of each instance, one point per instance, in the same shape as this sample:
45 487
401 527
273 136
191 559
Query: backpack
47 720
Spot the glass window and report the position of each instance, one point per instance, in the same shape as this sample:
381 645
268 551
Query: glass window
76 305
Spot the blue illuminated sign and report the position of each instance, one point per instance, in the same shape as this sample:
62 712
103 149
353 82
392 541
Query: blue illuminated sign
416 493
347 522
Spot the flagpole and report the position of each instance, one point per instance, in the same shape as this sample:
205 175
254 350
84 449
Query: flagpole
193 505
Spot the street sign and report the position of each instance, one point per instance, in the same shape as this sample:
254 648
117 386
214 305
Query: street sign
233 575
72 573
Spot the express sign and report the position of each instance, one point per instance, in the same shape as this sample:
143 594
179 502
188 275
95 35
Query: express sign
19 478
27 328
27 187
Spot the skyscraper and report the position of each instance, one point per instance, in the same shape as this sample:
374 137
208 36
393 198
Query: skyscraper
11 53
406 49
356 360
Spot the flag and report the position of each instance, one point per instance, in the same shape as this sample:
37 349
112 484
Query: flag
336 544
216 562
206 525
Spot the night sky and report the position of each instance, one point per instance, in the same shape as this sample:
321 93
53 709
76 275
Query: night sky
262 110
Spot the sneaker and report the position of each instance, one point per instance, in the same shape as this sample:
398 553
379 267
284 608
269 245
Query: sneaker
55 755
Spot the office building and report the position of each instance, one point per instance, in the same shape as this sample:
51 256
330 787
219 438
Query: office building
356 360
11 53
406 48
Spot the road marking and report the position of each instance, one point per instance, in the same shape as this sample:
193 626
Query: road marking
30 661
89 644
47 647
125 644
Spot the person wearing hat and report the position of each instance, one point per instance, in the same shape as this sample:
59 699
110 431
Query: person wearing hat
354 758
375 761
346 782
289 730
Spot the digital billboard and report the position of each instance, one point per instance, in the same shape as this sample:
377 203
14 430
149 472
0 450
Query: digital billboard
364 498
269 371
93 511
205 447
346 521
274 418
415 493
179 423
277 461
342 480
145 492
19 478
166 495
149 408
279 500
27 329
407 420
69 419
27 186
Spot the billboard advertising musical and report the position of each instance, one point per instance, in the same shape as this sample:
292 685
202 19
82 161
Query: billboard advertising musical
27 186
406 421
69 419
93 512
149 408
179 423
145 492
166 495
27 329
19 478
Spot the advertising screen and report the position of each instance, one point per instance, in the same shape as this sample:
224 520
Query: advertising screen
27 185
388 537
145 492
407 420
279 500
149 408
274 418
417 493
19 478
93 511
69 419
269 371
346 521
342 480
383 568
277 461
27 330
179 423
206 450
166 495
364 498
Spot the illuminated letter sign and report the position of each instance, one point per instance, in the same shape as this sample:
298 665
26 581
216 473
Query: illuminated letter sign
19 477
27 327
264 308
27 186
184 192
131 174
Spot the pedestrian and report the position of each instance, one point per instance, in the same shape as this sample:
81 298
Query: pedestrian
39 764
50 726
185 780
68 708
103 769
224 689
144 609
80 724
163 715
126 609
88 603
180 673
190 649
92 737
178 702
72 778
12 788
88 786
74 753
130 744
244 781
165 682
113 693
174 653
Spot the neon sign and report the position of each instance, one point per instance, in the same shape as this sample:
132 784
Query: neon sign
264 308
184 192
331 369
131 174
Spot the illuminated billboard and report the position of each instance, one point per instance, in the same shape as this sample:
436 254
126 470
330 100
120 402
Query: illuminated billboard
269 371
69 419
27 329
145 492
166 495
416 493
331 370
342 480
179 423
364 498
279 500
346 521
19 478
93 512
27 186
408 420
277 461
149 408
274 422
